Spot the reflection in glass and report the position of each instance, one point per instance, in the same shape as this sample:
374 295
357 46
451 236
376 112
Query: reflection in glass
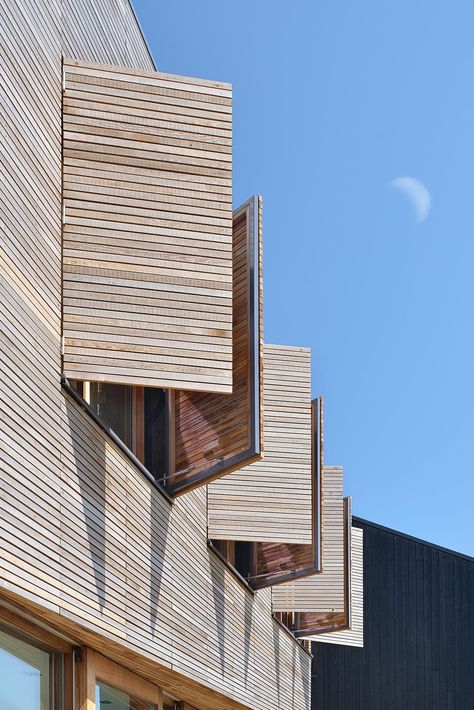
113 404
25 673
107 698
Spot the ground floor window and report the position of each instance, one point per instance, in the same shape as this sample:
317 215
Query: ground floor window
30 676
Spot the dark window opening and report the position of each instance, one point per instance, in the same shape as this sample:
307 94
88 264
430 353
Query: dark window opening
241 555
136 415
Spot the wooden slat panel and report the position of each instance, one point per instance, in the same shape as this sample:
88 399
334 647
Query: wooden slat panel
270 500
147 239
215 433
278 562
311 622
324 591
354 636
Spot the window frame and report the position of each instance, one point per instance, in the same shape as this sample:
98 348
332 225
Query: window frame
92 667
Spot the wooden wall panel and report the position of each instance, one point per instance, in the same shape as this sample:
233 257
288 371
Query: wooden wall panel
270 500
419 631
278 562
218 433
147 250
354 636
84 539
324 591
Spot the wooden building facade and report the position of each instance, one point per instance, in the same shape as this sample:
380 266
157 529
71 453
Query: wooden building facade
164 499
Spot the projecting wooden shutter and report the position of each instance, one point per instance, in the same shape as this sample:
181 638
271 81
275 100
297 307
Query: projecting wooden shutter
278 562
147 257
270 500
321 602
216 434
354 636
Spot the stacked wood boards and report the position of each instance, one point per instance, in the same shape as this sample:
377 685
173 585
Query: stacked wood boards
147 236
354 636
218 433
324 594
271 500
278 562
85 540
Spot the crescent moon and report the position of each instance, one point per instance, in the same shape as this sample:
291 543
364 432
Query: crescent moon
417 193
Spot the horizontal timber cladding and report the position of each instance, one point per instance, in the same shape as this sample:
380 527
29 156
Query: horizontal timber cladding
278 562
218 433
147 235
322 598
270 500
354 636
86 543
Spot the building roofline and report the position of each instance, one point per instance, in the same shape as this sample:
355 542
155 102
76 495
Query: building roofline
363 522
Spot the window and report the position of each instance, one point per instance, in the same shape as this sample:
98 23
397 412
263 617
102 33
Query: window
136 415
241 555
113 686
30 676
115 699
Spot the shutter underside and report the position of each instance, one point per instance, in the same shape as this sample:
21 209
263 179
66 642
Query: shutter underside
271 500
147 236
218 433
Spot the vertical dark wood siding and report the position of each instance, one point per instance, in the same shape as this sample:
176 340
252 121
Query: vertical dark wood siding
418 632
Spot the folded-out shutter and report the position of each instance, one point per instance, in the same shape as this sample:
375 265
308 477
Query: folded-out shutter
147 236
270 500
355 635
215 433
322 601
278 562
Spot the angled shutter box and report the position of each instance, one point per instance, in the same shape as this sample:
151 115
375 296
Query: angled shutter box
219 433
278 562
147 236
322 601
271 500
354 636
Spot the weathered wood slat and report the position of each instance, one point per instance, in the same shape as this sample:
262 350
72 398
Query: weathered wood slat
142 237
216 434
271 500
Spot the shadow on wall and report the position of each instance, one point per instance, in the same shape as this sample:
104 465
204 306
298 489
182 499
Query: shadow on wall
122 534
218 594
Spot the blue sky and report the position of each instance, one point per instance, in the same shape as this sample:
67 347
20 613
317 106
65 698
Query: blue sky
332 101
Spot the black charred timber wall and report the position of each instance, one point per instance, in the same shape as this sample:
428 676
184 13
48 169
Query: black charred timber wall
418 632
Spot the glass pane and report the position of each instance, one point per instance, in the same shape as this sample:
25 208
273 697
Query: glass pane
155 431
24 675
107 698
113 404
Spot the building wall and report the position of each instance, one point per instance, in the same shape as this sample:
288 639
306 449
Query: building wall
418 632
84 538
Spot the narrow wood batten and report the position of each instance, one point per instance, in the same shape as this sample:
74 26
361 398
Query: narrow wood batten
353 636
276 563
271 500
219 433
147 228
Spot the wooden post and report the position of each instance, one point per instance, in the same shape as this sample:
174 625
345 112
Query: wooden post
84 671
